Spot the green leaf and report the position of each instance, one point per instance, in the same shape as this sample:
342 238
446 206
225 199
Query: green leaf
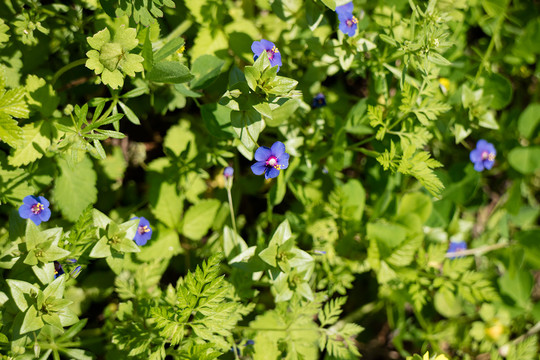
101 249
386 233
526 160
252 77
447 304
9 131
354 199
206 69
286 107
269 255
170 72
517 286
75 188
18 290
180 138
331 4
499 89
282 233
129 113
127 245
32 321
167 204
529 120
35 141
280 85
247 125
168 49
199 218
217 119
415 203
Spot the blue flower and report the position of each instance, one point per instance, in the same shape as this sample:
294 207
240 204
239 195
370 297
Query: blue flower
58 269
35 208
271 50
228 172
456 246
348 23
270 160
318 101
144 231
483 157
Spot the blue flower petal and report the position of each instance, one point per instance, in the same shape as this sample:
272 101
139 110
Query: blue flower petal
479 166
352 30
262 153
36 219
475 155
143 222
44 201
482 145
345 9
257 48
278 149
45 214
276 60
30 200
283 161
271 173
25 211
267 45
488 164
259 167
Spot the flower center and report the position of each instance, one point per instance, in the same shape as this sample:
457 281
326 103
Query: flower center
351 22
143 229
272 162
37 208
486 155
271 52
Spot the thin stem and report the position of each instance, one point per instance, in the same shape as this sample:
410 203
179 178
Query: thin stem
477 251
231 209
67 67
535 329
360 143
496 32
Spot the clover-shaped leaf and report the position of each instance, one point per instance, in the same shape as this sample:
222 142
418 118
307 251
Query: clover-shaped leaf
110 58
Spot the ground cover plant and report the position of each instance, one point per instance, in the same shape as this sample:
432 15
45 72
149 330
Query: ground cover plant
269 179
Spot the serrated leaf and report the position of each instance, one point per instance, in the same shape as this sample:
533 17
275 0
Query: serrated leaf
9 131
75 188
35 140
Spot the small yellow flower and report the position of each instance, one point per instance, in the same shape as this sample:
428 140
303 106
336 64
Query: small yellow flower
439 357
444 84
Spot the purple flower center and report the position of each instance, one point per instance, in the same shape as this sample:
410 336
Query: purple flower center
37 208
486 155
271 52
272 162
351 22
143 229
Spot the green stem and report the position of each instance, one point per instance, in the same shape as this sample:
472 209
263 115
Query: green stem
69 66
367 152
231 209
477 251
360 143
496 32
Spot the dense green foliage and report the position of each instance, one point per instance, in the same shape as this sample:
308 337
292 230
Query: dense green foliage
115 110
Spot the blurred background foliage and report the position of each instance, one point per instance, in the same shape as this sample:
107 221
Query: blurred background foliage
119 108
